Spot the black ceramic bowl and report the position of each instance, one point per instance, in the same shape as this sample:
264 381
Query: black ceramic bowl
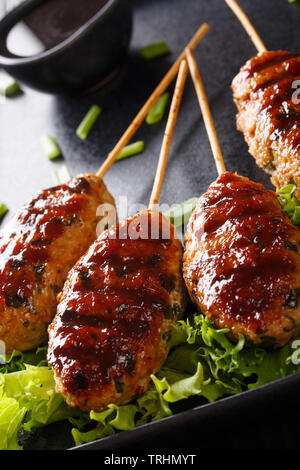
88 57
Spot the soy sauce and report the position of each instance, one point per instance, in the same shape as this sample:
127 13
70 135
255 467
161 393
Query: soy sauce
49 24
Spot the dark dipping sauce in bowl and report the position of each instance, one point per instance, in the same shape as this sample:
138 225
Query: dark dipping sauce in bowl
49 24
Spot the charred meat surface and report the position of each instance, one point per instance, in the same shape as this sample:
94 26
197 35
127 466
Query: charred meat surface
115 313
267 95
242 262
38 247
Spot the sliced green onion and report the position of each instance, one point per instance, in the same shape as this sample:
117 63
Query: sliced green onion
157 49
130 150
50 147
157 112
87 123
62 175
180 214
288 189
8 85
3 210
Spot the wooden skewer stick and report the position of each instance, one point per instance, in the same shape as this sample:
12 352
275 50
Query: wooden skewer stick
160 89
165 149
243 18
207 117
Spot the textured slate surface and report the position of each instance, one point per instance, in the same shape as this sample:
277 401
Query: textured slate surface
24 170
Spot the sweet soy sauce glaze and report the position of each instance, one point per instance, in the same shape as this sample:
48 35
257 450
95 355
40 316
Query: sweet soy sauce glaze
49 24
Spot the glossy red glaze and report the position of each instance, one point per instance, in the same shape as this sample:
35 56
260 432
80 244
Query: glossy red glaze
267 95
241 265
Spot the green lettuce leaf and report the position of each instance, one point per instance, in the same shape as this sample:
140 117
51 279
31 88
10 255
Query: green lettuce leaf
28 401
114 419
202 362
34 390
17 360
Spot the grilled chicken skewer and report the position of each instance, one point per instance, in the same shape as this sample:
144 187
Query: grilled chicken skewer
119 302
38 247
265 92
241 262
49 234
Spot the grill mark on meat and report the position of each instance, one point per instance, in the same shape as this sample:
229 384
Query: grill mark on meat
131 327
276 81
